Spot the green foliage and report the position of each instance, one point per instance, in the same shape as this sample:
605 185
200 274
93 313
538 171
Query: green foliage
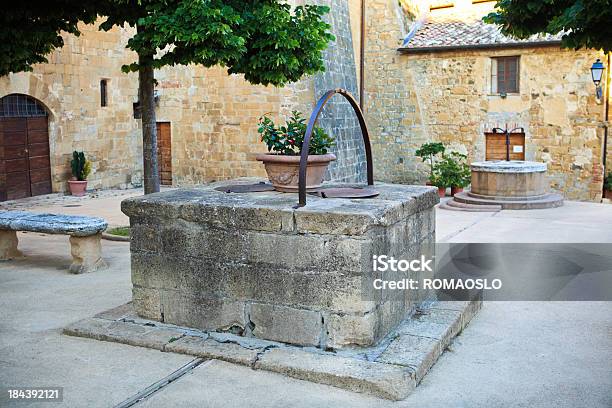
29 31
120 231
428 152
81 167
585 23
288 139
608 182
451 171
265 40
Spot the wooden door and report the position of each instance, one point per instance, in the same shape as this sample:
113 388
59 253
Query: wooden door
164 153
25 169
496 146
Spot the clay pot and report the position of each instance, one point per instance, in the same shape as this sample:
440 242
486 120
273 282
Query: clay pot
455 190
608 194
77 188
442 192
283 171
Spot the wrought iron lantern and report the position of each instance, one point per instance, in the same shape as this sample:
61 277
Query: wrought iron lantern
596 73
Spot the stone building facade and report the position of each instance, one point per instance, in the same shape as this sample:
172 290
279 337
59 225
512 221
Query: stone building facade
212 116
430 78
414 93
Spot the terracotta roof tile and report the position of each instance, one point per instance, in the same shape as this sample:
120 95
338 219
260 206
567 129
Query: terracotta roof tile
450 31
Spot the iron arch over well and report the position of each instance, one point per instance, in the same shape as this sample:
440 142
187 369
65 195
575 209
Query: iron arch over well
25 168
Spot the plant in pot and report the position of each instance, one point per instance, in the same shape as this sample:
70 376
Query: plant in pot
463 174
428 153
437 179
81 167
608 186
284 144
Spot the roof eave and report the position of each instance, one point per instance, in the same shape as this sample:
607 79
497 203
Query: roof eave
445 48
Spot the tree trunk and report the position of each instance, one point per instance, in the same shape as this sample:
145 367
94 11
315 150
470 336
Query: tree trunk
146 84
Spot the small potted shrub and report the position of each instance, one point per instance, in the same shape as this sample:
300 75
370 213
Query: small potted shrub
284 144
436 179
81 167
451 171
608 186
428 152
463 174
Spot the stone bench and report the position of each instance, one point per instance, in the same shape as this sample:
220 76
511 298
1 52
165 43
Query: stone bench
85 234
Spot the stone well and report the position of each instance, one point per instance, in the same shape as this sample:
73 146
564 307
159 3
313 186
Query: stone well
510 184
254 265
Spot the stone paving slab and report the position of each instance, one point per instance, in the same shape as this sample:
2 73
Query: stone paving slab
391 370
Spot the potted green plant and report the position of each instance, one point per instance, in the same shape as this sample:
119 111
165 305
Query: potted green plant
284 143
608 186
451 171
81 167
428 152
436 179
463 174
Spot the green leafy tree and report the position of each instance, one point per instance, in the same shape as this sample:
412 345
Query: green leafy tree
266 40
428 152
584 23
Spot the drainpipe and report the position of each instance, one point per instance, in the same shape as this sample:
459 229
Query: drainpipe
362 56
607 115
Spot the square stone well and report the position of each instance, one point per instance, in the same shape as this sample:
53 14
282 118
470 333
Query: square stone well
251 264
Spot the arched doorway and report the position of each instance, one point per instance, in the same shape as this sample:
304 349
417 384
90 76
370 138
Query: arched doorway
25 168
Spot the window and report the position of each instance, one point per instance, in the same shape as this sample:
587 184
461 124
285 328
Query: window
505 75
103 93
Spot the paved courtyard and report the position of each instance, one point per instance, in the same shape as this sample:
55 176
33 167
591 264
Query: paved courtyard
535 354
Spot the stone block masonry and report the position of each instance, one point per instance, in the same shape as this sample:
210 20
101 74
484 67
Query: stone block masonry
252 265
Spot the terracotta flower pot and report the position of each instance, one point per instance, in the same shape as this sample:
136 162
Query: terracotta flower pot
608 194
442 192
455 190
77 188
283 171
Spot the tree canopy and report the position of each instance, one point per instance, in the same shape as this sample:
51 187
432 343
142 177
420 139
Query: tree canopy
584 23
265 40
29 31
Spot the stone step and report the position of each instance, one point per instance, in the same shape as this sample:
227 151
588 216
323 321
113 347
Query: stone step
546 201
453 205
502 198
391 369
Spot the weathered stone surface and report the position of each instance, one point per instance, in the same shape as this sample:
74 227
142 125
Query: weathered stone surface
123 332
205 313
73 225
381 380
442 325
8 245
286 324
253 264
347 330
398 368
86 253
416 352
209 348
119 312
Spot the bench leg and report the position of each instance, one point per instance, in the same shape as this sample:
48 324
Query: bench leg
86 254
8 245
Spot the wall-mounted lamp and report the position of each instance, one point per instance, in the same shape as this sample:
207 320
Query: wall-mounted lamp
596 73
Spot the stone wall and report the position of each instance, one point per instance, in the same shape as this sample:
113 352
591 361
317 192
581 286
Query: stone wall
445 96
338 117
